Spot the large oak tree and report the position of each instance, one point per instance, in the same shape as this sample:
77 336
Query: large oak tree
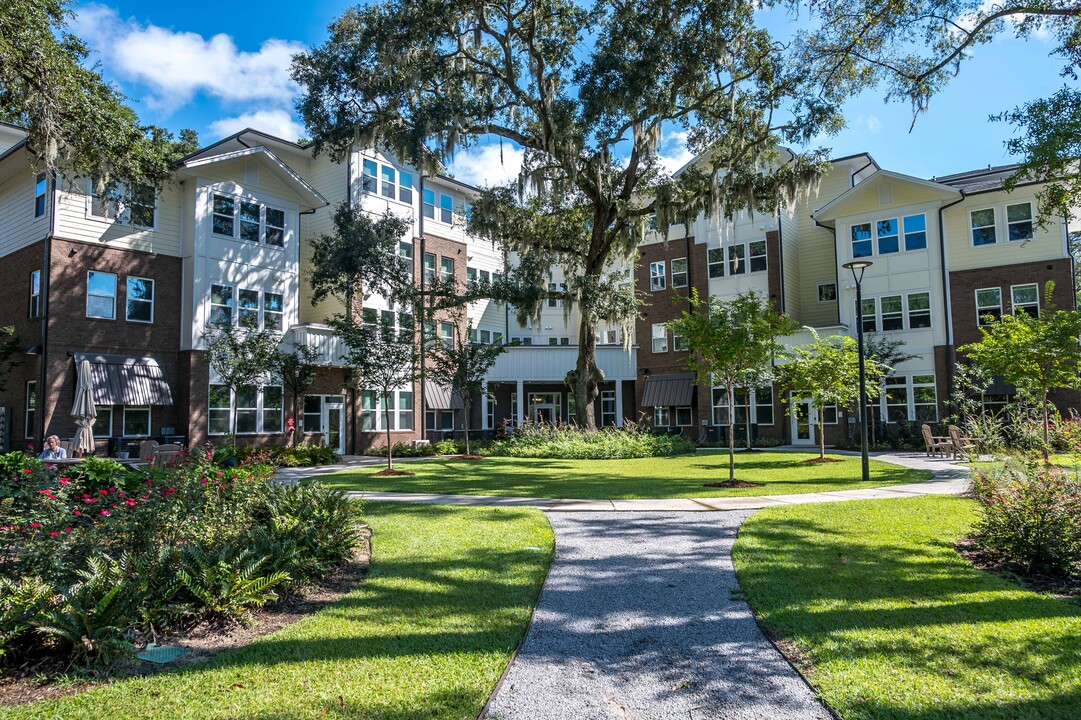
586 91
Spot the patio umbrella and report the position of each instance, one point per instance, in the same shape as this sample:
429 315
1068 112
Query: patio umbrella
83 410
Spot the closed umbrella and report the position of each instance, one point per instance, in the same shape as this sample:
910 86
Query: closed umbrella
83 410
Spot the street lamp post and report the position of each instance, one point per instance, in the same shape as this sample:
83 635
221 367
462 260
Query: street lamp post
857 267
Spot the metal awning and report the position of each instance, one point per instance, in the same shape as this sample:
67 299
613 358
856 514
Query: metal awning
999 386
126 380
668 390
438 397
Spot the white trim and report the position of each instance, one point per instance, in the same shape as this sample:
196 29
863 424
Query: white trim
124 420
152 301
1013 304
116 289
976 298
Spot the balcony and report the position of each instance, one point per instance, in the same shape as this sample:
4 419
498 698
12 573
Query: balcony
803 336
329 348
551 363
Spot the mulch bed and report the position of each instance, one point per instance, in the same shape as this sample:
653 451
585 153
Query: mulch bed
1065 588
821 461
41 678
732 484
468 457
391 473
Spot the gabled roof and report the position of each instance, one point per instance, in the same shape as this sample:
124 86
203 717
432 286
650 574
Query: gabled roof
309 197
984 180
843 203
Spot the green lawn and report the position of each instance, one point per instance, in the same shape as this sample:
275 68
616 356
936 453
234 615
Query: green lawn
427 634
669 477
896 625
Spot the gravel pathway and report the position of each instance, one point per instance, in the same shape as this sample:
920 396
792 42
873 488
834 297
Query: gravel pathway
640 619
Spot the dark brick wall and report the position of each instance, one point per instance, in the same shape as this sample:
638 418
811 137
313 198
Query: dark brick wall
15 312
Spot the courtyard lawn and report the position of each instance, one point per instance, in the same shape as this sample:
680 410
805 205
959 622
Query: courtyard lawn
681 476
427 634
889 622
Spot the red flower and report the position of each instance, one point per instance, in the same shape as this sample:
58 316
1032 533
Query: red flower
103 492
130 502
203 481
34 525
67 529
104 512
53 533
64 481
27 470
77 513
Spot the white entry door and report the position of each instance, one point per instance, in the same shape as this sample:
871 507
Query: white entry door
334 422
803 418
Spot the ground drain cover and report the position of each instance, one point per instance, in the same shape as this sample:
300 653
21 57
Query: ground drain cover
162 654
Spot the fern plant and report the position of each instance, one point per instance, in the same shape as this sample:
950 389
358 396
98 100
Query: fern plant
227 584
93 615
21 603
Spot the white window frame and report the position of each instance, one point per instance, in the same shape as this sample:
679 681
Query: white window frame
149 420
608 408
689 416
906 233
390 184
231 307
662 336
909 311
260 410
34 309
88 294
897 235
428 208
120 194
1030 220
405 187
908 384
444 275
662 417
973 228
41 195
30 410
679 277
893 315
264 225
657 278
737 262
446 209
369 176
752 257
215 410
715 262
265 312
128 299
719 400
979 314
1014 305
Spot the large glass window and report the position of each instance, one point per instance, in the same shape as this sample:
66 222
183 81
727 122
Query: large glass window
446 269
870 320
275 227
405 409
892 313
679 272
247 220
247 409
429 267
259 409
763 405
273 311
757 252
136 421
887 231
895 396
248 308
100 295
221 304
1019 222
924 398
737 255
222 221
389 187
988 304
660 338
220 410
915 227
103 422
983 227
140 300
684 417
368 410
273 404
313 413
369 179
861 240
446 333
919 310
405 187
715 260
657 279
126 203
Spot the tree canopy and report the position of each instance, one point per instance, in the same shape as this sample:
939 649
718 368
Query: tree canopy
587 92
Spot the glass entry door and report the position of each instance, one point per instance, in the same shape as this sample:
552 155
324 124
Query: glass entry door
334 422
803 421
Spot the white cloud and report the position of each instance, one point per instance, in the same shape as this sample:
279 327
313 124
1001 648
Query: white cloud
873 124
673 153
275 122
175 66
488 165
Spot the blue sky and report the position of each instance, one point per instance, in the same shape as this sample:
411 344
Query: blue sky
192 65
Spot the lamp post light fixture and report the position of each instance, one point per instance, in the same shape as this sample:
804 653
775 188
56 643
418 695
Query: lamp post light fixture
857 267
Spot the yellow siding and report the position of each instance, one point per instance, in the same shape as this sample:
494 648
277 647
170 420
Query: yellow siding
818 250
790 262
18 227
74 222
328 178
1047 243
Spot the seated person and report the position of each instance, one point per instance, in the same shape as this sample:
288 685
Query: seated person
52 450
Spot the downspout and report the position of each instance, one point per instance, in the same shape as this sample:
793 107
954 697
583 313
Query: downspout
951 349
46 271
420 310
1073 261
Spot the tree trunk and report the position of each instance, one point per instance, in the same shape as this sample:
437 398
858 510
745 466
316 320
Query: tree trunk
584 380
821 435
731 431
467 406
1046 433
386 421
296 421
748 420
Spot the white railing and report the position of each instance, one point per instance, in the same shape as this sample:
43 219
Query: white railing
329 347
553 362
804 336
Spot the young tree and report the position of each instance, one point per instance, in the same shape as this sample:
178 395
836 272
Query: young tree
585 91
733 343
827 370
888 352
297 368
384 360
240 356
1034 353
462 365
360 257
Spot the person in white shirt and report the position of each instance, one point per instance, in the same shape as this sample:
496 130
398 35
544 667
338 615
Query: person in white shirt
52 450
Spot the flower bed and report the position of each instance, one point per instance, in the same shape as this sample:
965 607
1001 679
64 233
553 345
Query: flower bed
91 555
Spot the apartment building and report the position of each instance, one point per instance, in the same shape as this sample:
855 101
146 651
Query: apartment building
132 282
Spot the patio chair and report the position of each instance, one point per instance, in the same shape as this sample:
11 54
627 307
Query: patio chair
167 448
165 458
963 447
146 449
936 444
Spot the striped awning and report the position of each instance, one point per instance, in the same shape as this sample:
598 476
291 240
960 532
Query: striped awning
126 380
439 397
674 390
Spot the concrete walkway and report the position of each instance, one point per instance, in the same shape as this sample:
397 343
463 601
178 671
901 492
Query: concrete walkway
950 478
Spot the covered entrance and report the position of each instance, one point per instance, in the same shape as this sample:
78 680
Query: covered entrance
325 414
803 418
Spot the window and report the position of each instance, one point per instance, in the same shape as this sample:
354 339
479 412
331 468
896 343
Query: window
471 274
485 277
983 226
140 300
222 222
270 416
35 294
220 410
660 338
386 411
887 236
248 308
405 251
247 409
1026 298
429 267
608 408
446 208
446 269
763 405
41 187
369 176
679 343
446 333
428 206
405 187
757 251
915 227
556 288
100 295
136 421
720 406
679 272
553 341
30 415
247 220
861 240
827 292
919 310
103 422
657 280
313 413
273 311
829 415
275 227
489 410
715 262
1019 221
895 397
405 409
924 399
736 259
661 417
988 303
683 417
126 204
892 313
870 321
221 304
389 188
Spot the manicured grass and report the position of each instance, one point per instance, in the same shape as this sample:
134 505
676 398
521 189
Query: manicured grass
665 477
427 634
896 625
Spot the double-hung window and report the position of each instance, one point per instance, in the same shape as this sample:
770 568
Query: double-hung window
30 412
870 319
737 256
369 410
220 410
919 310
259 409
893 317
35 294
1019 222
861 240
428 206
429 267
715 262
389 187
988 304
657 280
103 422
608 408
101 295
136 421
924 398
405 409
660 338
273 311
221 304
446 333
446 269
887 232
446 209
679 272
915 227
140 300
1026 299
41 188
126 203
248 308
405 187
983 227
247 220
757 255
369 179
661 417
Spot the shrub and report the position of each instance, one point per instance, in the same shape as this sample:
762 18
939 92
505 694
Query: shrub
403 450
572 443
226 583
21 605
1030 515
